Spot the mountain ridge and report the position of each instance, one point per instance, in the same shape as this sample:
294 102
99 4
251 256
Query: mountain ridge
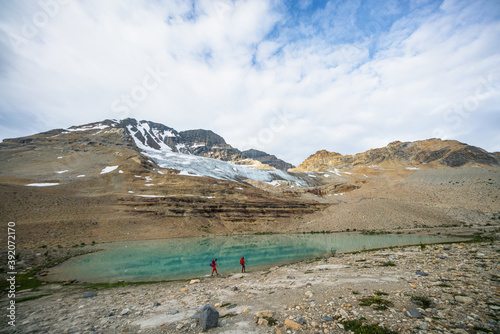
107 182
193 152
430 152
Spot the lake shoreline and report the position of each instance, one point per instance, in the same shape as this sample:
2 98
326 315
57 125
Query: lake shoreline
165 260
316 294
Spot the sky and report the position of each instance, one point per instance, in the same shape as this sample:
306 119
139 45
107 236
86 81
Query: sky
286 77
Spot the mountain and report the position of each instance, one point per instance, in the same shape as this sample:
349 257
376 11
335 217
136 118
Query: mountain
137 180
431 152
204 143
200 142
126 180
194 152
198 153
268 159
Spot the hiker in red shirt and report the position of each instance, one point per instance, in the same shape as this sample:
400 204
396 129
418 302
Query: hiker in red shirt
242 262
214 267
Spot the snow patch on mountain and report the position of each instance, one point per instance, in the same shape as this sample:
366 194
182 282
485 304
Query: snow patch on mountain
194 165
108 169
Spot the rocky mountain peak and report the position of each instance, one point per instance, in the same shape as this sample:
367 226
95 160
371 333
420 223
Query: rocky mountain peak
208 144
201 136
268 159
200 142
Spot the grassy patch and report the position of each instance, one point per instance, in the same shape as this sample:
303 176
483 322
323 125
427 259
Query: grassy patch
423 301
24 281
388 264
381 293
374 232
271 321
228 305
25 299
377 302
229 315
358 327
481 329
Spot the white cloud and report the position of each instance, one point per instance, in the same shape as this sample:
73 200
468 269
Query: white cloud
238 67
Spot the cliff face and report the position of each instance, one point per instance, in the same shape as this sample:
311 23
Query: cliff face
268 159
208 144
433 152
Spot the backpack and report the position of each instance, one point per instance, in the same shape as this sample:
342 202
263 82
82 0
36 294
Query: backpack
242 261
212 264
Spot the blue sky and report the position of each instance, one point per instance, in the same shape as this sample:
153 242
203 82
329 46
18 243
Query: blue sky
286 77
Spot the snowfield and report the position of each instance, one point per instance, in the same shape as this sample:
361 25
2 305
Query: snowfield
193 165
42 184
108 169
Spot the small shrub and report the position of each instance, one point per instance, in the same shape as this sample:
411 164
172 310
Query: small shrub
380 293
358 327
377 302
422 301
271 321
333 251
388 264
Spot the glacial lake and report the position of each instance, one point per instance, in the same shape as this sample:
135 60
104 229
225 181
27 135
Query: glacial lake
169 259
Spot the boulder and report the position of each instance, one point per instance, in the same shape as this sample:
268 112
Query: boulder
209 317
464 299
264 314
412 312
292 324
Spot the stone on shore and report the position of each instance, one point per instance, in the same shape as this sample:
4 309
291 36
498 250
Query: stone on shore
292 324
464 299
264 314
412 312
89 295
209 317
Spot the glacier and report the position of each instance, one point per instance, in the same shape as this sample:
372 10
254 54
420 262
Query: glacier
194 165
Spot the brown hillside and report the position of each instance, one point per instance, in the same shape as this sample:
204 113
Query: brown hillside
431 152
135 200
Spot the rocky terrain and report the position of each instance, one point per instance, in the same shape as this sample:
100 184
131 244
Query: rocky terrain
414 289
110 181
427 153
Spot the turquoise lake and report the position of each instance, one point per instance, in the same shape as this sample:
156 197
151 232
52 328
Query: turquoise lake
169 259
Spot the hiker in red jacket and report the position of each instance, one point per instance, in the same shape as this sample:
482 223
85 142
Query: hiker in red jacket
242 262
214 267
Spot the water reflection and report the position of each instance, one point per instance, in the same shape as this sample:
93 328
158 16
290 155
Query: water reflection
183 258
